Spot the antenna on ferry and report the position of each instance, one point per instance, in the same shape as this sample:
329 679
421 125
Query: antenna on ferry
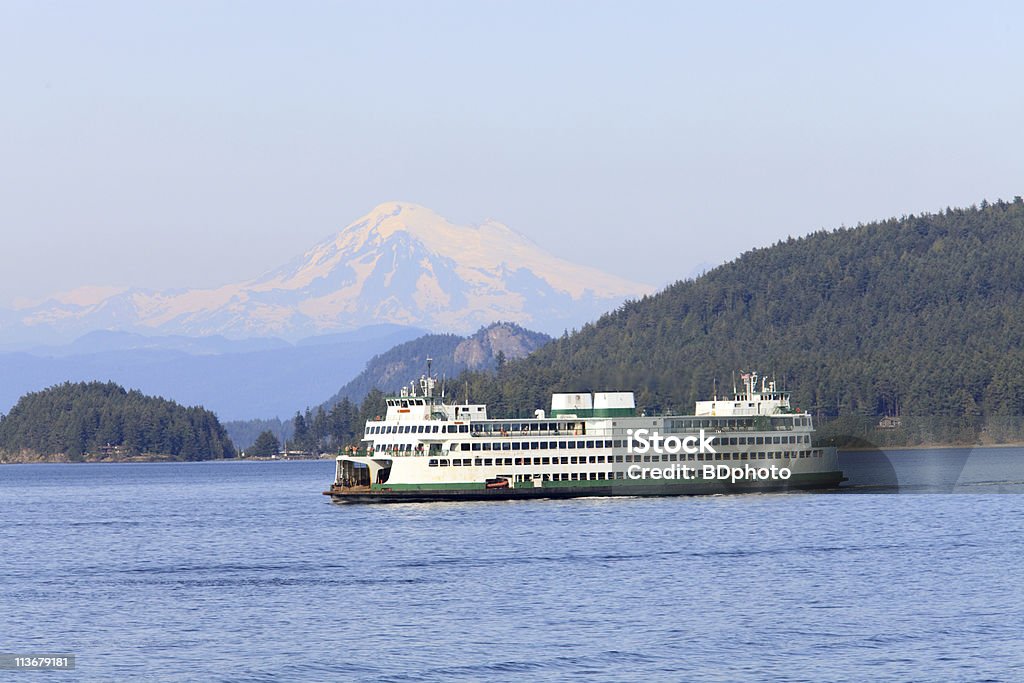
734 392
714 387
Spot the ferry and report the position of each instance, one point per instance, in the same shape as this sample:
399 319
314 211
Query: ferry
590 444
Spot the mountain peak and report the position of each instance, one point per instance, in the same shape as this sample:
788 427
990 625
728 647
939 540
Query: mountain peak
390 217
401 263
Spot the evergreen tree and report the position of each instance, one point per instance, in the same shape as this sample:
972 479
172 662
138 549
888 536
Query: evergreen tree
266 445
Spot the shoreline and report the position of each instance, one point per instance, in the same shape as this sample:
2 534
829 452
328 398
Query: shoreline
933 447
59 460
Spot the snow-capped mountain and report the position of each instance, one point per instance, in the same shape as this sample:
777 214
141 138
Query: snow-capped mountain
401 263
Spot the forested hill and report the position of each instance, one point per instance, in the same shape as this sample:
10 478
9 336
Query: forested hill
487 348
93 421
924 313
336 421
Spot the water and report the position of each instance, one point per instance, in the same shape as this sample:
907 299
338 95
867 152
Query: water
243 571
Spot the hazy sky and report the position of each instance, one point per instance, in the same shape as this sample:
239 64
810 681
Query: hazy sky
184 144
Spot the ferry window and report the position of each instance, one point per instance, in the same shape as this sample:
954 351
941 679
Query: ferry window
619 443
463 447
590 444
515 446
443 463
432 463
508 461
488 461
574 460
570 444
463 429
476 447
478 462
544 461
544 445
534 445
486 446
505 446
519 461
600 458
579 444
759 441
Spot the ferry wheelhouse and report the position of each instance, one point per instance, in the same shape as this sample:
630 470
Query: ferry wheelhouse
427 449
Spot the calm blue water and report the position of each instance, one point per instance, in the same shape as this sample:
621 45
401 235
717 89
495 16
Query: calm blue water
243 571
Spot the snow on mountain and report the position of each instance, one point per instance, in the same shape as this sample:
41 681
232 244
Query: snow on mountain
401 263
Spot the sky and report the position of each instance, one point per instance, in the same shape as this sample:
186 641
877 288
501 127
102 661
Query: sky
191 144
